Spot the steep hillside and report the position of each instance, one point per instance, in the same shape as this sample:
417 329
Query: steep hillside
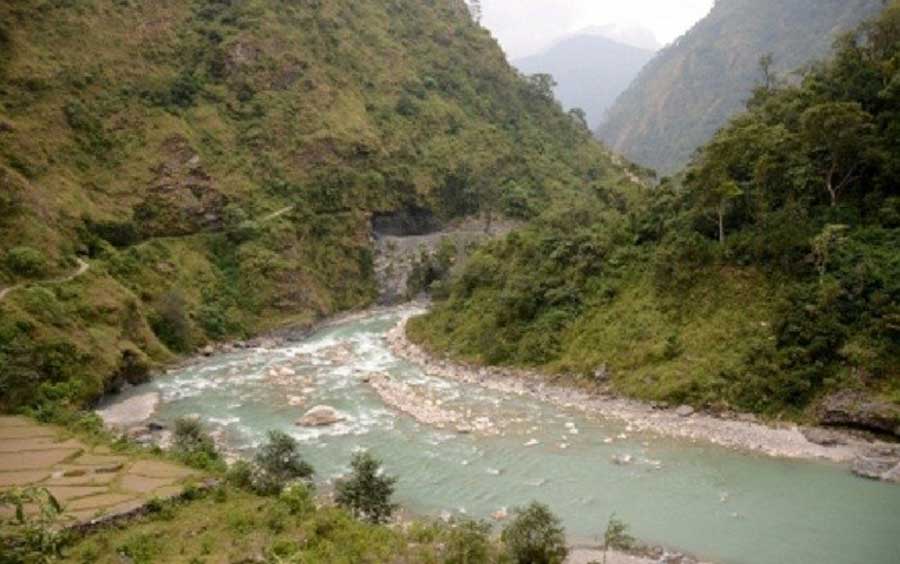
691 88
766 277
590 71
176 172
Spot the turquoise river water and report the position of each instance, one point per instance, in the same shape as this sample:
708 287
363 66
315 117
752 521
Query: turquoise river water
713 502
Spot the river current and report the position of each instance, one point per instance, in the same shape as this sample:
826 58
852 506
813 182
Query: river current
713 502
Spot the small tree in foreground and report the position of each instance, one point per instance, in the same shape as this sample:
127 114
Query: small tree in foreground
535 536
194 446
468 542
278 463
616 536
367 493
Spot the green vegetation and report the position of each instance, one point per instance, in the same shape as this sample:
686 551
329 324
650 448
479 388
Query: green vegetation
535 536
616 537
161 151
366 493
193 446
696 85
277 465
762 278
30 537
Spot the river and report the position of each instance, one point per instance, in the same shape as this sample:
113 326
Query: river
716 503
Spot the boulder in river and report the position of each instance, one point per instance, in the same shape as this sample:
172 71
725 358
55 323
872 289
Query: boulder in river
320 416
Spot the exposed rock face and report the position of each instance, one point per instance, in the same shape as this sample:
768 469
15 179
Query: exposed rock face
879 463
183 198
824 437
397 255
852 409
321 416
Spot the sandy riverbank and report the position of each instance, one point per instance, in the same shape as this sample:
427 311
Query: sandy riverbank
785 441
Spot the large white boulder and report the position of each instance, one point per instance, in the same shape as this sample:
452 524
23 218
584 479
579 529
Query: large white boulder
321 416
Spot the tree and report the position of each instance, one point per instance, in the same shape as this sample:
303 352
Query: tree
579 116
194 445
367 492
535 536
541 85
716 191
838 136
468 543
278 463
765 66
616 536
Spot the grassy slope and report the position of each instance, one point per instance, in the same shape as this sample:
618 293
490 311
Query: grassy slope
678 347
234 526
180 123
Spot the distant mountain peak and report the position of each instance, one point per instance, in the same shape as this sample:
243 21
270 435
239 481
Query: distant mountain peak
627 34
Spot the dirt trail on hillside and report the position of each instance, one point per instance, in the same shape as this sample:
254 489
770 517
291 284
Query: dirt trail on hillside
83 267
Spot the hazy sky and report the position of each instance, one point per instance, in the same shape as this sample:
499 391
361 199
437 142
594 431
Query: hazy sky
524 27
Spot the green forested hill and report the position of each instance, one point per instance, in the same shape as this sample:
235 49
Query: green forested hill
764 277
694 86
216 165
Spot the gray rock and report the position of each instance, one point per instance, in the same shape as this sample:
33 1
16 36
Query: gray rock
824 437
320 416
855 409
684 411
892 475
875 468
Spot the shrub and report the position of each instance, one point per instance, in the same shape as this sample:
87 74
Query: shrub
297 498
170 322
535 536
240 475
27 262
194 446
31 536
616 536
277 464
468 543
367 493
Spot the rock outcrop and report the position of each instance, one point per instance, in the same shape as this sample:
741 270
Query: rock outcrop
853 409
881 462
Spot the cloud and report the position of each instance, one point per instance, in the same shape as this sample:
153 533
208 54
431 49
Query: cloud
524 27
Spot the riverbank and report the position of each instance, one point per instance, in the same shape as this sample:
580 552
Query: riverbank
741 433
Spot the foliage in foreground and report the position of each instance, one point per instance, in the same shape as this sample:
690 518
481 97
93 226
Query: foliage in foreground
366 493
29 535
535 536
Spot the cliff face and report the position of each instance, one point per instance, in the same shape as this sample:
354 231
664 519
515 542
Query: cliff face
218 164
694 86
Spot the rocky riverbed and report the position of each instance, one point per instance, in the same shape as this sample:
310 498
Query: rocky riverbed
869 459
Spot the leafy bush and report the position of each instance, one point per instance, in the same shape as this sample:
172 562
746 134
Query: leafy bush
468 542
117 233
30 536
535 536
194 446
278 464
616 536
367 493
27 262
171 323
298 498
